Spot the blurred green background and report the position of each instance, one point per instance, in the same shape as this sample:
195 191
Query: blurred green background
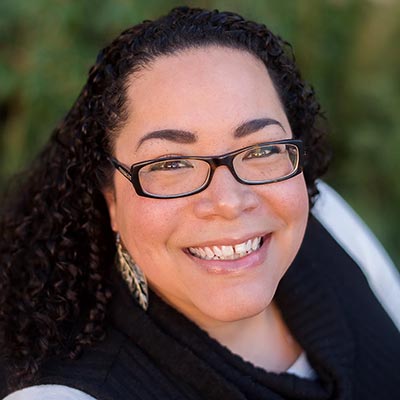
349 51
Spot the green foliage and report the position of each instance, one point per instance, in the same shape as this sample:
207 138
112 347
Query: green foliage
347 49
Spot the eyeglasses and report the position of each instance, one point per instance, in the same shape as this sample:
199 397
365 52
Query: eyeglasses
177 176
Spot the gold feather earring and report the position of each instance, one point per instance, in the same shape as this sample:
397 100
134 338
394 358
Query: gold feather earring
132 275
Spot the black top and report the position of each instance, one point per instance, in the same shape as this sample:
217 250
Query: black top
325 300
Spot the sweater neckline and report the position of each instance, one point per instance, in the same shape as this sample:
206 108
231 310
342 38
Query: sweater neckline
309 308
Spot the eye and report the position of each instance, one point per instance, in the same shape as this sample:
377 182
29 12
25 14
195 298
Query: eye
170 165
261 152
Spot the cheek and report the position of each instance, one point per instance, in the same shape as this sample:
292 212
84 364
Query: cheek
145 224
290 203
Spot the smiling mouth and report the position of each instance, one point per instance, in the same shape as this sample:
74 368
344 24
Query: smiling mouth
230 252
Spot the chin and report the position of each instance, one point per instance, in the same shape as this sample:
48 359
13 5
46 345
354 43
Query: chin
237 306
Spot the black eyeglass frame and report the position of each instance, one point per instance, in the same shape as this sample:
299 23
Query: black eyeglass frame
132 173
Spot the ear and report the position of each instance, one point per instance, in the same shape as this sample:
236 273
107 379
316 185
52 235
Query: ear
109 196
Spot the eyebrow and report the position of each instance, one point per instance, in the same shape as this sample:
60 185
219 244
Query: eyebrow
255 125
174 135
186 137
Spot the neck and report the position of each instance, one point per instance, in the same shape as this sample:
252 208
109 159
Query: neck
263 339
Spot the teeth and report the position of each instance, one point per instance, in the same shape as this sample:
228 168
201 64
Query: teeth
240 248
226 252
217 251
255 243
202 253
209 252
248 245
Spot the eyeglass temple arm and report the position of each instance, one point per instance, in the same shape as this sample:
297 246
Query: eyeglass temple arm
121 168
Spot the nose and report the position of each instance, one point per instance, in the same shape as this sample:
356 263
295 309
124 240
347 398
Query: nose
225 197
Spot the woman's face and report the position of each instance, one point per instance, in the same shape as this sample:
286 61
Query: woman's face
208 92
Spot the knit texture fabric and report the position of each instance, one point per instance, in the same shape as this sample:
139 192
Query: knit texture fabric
325 300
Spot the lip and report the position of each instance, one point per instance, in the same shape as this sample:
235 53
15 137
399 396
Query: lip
237 266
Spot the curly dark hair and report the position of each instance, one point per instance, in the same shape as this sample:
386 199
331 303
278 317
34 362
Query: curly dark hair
56 243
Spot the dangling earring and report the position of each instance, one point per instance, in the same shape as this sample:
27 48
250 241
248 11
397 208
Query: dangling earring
132 274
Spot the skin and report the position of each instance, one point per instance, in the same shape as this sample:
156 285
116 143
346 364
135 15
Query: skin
210 92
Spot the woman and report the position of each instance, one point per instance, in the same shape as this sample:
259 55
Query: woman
142 256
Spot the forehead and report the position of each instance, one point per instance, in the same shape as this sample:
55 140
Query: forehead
205 89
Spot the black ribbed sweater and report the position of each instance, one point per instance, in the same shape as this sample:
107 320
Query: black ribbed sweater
327 304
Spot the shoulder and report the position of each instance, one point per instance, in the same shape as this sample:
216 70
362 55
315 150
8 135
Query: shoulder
90 371
355 238
62 375
49 392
